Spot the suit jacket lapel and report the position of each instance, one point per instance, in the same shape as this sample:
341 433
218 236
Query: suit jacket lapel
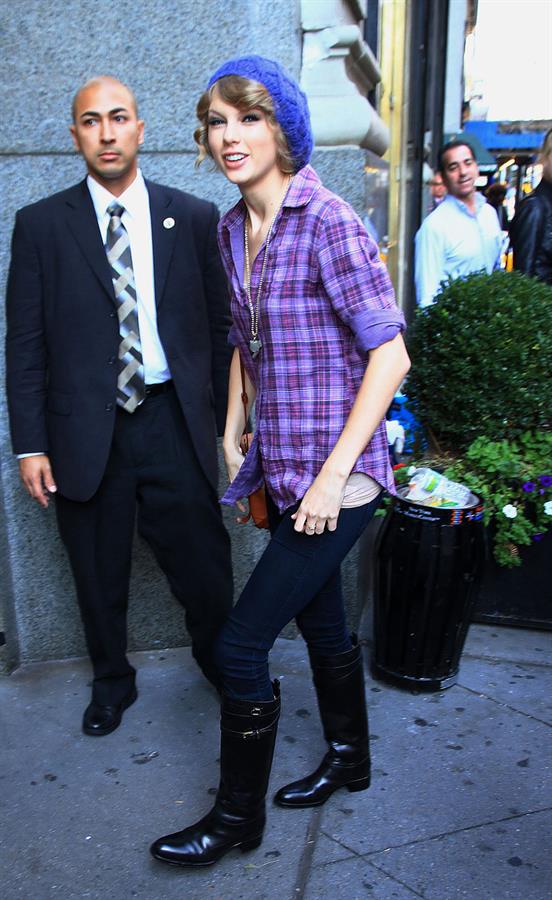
163 233
83 224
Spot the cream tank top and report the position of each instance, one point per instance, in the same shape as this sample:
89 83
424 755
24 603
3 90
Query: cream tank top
359 490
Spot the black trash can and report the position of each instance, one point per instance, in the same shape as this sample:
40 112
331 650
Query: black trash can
427 566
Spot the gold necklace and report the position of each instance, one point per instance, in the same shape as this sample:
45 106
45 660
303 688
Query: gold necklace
255 343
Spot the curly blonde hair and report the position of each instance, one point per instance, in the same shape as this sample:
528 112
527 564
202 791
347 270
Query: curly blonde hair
245 95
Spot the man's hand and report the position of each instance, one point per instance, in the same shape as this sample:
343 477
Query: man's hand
36 475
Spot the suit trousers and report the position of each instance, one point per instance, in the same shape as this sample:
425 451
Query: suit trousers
153 479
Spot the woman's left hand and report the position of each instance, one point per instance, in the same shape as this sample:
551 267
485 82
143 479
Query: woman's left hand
321 504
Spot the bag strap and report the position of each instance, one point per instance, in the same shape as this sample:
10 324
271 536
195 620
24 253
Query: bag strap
245 402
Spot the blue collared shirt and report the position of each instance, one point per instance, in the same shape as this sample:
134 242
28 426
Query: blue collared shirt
453 242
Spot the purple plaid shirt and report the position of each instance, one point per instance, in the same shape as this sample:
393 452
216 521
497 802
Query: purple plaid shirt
326 301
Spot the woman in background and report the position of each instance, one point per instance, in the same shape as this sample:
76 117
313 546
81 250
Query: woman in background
319 335
531 228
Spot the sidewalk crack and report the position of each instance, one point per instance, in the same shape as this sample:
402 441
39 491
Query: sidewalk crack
427 838
394 878
355 855
305 862
529 663
504 704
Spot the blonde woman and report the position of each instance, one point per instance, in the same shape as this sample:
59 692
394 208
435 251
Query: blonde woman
319 335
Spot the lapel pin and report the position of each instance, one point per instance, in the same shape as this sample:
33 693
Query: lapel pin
169 222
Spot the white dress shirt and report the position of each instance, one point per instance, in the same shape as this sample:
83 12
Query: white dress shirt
137 221
453 242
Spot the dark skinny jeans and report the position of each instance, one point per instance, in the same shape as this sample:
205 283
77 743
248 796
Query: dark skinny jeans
298 576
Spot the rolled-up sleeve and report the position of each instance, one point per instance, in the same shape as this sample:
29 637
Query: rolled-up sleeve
356 280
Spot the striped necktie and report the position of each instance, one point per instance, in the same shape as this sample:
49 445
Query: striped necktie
130 381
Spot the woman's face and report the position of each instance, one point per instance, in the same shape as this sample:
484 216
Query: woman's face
243 144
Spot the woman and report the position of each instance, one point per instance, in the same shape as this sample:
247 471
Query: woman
531 228
318 332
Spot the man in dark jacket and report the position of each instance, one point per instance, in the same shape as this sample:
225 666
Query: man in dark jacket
117 363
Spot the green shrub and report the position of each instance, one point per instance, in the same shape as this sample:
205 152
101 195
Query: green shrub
482 360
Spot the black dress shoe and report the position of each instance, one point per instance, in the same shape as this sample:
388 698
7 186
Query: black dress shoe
99 720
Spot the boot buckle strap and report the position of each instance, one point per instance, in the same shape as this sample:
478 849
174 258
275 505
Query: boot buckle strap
255 734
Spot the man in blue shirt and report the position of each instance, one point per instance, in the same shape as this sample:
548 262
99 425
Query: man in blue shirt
463 234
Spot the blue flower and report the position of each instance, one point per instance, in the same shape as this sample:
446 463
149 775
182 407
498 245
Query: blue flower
546 480
529 486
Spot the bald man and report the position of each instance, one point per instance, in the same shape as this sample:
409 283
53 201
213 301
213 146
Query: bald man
117 365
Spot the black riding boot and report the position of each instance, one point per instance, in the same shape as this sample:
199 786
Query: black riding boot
339 684
248 733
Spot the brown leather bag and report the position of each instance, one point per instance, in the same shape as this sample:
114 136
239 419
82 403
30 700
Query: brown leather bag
258 512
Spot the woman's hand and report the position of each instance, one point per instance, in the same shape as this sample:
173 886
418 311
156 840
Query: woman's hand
236 419
233 458
387 366
321 504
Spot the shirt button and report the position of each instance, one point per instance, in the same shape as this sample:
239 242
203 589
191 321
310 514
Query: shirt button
112 314
111 360
108 407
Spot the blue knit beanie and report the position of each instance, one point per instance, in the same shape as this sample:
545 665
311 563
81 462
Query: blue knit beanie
290 103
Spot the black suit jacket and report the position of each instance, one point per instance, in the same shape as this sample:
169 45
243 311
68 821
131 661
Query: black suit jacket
62 334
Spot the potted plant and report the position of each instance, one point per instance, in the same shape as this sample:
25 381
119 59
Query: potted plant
480 387
480 384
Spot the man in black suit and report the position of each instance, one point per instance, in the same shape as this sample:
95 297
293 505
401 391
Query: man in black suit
117 364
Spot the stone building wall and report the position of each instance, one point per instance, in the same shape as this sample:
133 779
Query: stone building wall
165 49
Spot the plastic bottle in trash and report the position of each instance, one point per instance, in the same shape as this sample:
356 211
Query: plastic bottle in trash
430 488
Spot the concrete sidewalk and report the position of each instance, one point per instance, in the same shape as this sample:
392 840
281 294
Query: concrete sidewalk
460 805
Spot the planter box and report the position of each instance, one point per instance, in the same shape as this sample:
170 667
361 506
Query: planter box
520 596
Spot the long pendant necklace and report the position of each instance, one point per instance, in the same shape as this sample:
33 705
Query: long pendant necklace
255 343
